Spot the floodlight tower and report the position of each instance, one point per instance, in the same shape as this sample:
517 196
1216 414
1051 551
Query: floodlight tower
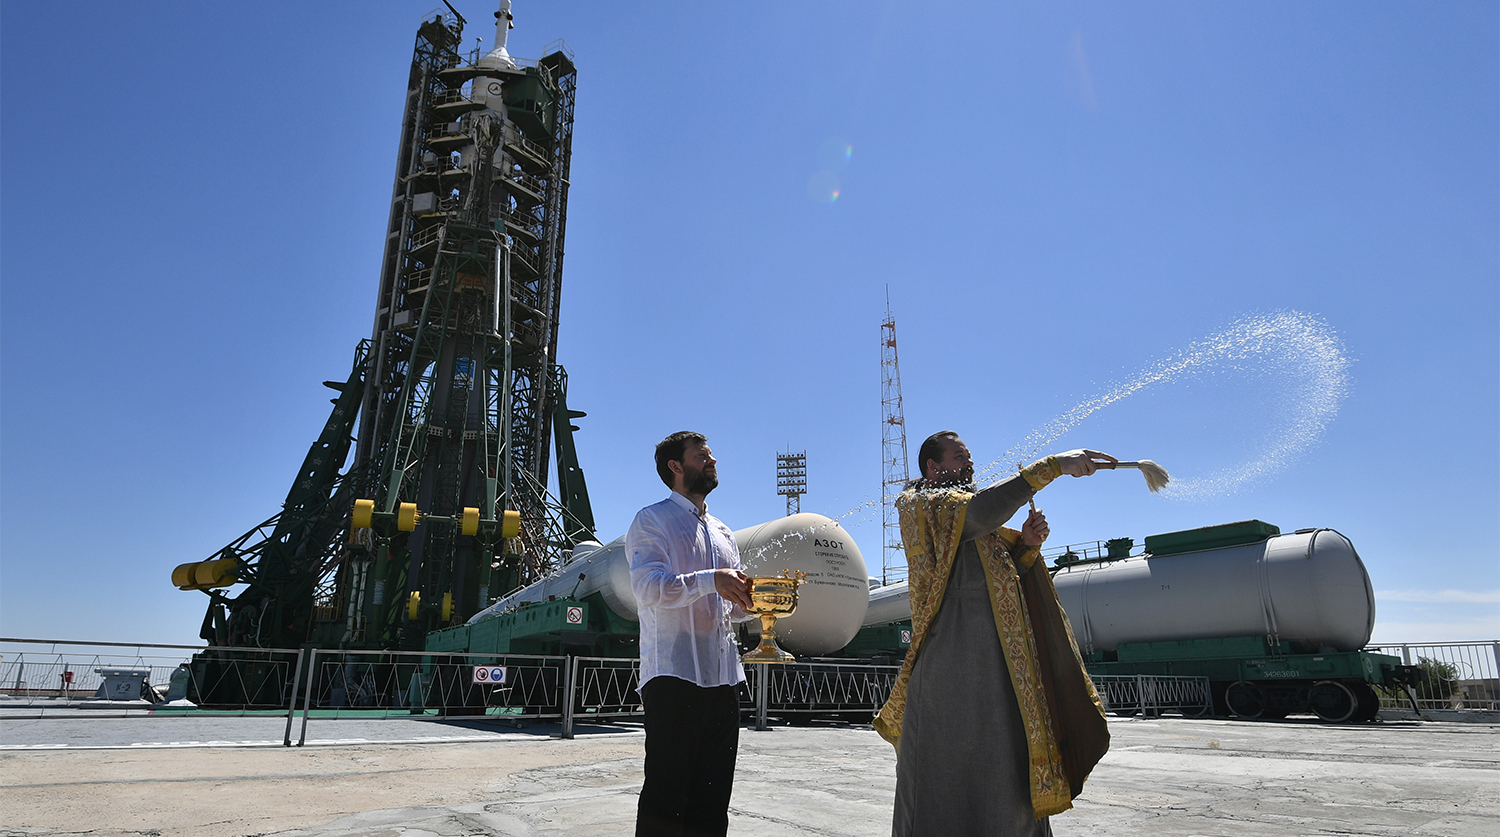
791 479
894 474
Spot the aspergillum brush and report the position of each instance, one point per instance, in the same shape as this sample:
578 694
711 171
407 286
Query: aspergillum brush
1156 476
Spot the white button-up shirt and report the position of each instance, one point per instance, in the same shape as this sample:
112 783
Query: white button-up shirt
685 629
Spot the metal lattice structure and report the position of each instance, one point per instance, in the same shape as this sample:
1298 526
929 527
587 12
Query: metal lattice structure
894 474
456 393
464 384
791 479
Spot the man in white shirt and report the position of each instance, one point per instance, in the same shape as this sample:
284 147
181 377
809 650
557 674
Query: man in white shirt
685 572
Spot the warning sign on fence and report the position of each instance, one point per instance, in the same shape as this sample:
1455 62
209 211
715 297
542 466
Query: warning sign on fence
493 675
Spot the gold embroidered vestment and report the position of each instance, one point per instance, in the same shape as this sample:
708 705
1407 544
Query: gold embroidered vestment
1064 719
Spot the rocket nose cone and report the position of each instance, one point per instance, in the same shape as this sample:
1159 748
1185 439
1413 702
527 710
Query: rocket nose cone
497 59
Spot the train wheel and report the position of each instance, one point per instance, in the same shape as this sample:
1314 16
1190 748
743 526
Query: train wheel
1369 703
1245 700
1332 701
1216 690
1203 710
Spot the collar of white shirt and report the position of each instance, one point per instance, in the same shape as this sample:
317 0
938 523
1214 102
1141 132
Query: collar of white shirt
688 505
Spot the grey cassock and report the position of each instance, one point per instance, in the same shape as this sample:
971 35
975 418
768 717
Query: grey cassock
963 766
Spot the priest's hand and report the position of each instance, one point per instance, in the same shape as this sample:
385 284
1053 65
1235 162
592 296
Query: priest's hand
1035 529
1083 462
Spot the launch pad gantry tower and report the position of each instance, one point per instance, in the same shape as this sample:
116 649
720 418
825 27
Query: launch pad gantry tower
466 390
454 398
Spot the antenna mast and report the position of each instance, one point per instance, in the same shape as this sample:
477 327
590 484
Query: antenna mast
893 448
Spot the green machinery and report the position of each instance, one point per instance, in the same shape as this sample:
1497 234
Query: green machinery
580 627
450 404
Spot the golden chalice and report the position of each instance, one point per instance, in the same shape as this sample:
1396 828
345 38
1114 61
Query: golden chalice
772 597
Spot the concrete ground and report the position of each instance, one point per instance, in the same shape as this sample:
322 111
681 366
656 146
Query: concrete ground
230 777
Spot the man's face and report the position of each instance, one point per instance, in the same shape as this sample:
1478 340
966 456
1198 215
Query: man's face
955 468
699 474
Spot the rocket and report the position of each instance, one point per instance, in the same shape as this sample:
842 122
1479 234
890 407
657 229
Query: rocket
498 58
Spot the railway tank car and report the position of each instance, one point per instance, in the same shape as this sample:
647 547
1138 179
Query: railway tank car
1274 621
1308 587
588 607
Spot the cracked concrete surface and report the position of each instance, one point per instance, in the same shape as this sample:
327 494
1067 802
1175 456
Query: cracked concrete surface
1172 777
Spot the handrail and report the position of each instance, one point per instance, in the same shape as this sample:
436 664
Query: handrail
114 644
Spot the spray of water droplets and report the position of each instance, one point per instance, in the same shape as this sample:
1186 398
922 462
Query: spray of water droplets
1302 350
775 547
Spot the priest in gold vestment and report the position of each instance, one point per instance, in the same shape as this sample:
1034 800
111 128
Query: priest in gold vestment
995 722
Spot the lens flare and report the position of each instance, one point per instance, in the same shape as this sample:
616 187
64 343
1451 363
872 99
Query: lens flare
823 187
834 154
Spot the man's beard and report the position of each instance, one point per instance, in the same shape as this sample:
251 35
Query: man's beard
699 481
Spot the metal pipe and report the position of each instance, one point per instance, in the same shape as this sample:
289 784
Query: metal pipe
291 709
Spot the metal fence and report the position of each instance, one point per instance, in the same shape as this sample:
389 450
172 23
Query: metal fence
797 692
48 676
43 675
39 675
1460 675
604 689
420 684
1127 695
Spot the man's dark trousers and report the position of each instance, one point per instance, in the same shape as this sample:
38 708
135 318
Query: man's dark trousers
692 737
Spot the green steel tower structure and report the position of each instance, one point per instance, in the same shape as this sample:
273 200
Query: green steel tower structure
452 403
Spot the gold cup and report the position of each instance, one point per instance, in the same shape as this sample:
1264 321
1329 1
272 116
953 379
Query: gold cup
772 597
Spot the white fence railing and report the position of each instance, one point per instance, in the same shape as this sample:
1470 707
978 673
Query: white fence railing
1460 675
43 675
39 675
1150 696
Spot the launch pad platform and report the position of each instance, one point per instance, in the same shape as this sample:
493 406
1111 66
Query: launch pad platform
80 772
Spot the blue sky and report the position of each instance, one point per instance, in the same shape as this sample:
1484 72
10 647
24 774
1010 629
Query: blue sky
1057 196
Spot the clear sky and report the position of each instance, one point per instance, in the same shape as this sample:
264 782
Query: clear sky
1058 196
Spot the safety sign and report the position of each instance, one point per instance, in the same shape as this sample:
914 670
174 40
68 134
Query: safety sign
493 675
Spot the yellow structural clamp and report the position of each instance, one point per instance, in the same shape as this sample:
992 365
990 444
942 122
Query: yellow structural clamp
205 575
510 523
406 517
414 606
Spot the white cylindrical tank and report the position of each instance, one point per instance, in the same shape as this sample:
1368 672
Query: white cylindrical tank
831 603
1309 586
891 603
